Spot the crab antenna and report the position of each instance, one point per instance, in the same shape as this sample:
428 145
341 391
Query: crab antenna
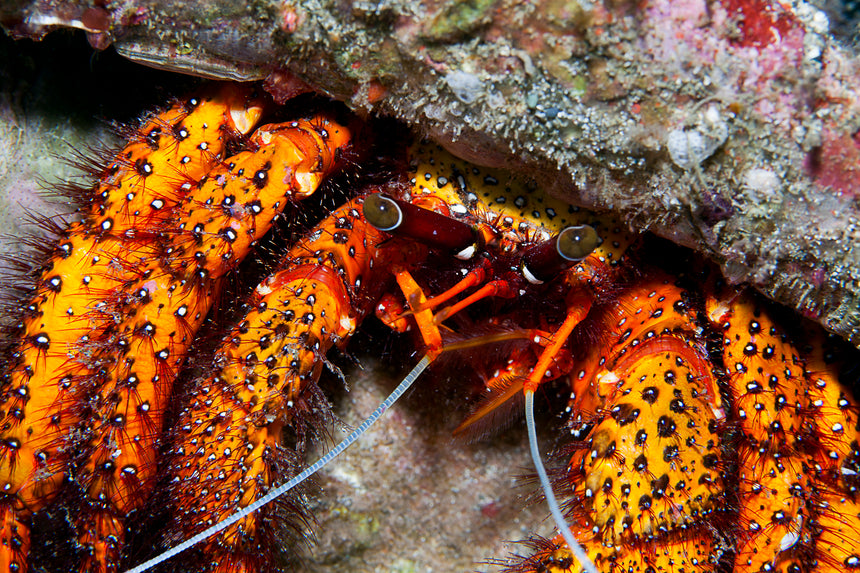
554 508
308 472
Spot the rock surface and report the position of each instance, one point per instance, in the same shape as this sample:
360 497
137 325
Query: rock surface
730 126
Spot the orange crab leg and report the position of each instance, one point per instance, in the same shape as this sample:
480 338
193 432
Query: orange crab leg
647 463
217 226
497 288
43 390
427 323
558 339
229 438
793 419
475 277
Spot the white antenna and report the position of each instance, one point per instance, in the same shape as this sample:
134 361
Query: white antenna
281 490
554 508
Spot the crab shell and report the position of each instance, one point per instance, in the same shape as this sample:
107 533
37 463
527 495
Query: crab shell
774 207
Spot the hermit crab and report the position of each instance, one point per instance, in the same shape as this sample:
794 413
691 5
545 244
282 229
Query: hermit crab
701 432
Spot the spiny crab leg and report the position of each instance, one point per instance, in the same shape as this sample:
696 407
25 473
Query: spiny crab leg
218 224
50 379
120 304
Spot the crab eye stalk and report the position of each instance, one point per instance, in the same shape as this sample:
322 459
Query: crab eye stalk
577 242
403 219
382 212
542 262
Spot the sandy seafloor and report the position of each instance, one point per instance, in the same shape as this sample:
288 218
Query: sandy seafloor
407 497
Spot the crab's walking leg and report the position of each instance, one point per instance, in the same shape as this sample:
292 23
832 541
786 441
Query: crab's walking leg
639 486
836 414
651 454
228 451
218 223
42 386
798 451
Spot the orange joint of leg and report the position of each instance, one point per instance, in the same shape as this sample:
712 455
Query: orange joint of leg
559 338
424 318
390 311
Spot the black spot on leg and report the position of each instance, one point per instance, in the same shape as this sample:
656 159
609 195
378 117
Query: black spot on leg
666 427
650 394
65 250
228 234
670 453
625 414
340 238
710 461
261 177
659 485
152 138
143 167
180 132
54 283
41 341
677 405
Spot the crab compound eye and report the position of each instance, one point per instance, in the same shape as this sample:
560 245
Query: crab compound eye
577 242
382 212
544 261
404 219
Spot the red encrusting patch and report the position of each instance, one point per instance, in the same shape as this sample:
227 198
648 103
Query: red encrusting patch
761 22
836 163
